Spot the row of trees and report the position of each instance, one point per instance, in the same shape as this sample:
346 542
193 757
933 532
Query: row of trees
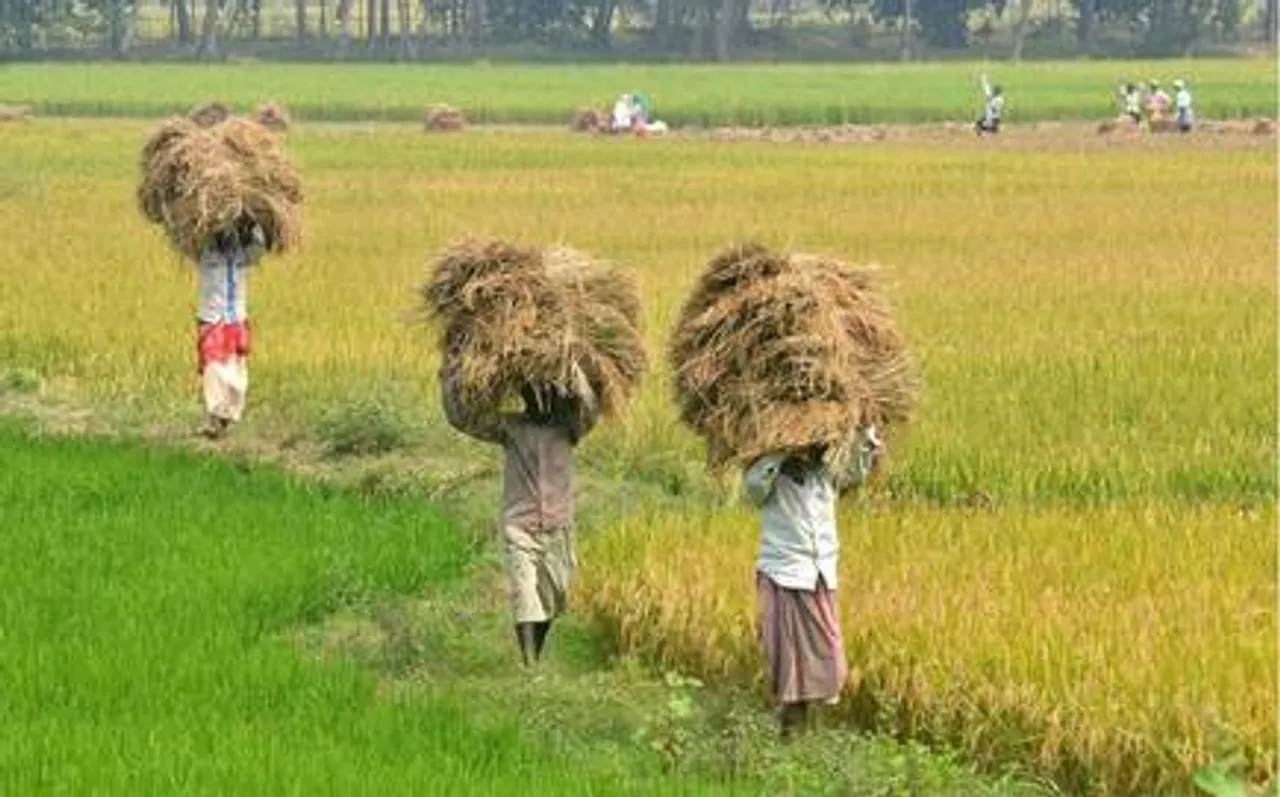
698 29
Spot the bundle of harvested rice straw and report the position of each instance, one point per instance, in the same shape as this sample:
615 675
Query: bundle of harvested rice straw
202 178
14 113
783 351
512 317
273 117
444 118
589 120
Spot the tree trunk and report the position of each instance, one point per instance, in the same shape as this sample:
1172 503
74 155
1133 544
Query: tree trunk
740 23
120 23
477 21
115 24
183 16
384 24
403 14
344 27
1084 24
703 34
300 21
662 24
908 30
130 30
722 28
1020 29
209 30
1269 22
1191 26
1224 20
602 23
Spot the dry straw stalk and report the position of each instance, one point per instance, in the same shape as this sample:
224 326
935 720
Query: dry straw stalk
555 318
776 351
203 179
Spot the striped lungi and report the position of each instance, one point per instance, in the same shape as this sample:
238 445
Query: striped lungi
803 647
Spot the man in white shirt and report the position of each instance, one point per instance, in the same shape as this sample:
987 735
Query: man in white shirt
994 110
1182 103
796 574
222 324
1132 101
622 113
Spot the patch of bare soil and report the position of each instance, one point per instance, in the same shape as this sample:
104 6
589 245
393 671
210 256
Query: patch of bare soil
1043 136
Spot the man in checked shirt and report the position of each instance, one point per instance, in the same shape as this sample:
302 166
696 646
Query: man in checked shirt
537 500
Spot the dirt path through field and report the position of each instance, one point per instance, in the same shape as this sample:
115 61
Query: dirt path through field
1245 134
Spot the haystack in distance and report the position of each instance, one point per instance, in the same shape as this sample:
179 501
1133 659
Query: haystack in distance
555 319
780 351
202 178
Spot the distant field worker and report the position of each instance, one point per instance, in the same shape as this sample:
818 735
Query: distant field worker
1131 100
537 516
1157 102
796 576
222 324
993 111
624 113
1186 118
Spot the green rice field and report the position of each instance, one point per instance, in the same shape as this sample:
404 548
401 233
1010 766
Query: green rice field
682 95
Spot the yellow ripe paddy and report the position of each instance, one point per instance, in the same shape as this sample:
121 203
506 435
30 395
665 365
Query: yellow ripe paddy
1070 562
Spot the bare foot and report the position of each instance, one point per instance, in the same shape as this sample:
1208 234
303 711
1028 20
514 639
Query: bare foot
214 428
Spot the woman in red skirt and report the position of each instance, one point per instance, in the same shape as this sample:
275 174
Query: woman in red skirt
222 324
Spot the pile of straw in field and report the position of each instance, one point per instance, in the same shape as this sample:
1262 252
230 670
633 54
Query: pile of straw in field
273 117
444 118
1108 126
198 181
555 318
777 351
589 120
14 113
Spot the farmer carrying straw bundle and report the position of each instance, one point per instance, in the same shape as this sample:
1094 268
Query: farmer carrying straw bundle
225 194
789 366
558 333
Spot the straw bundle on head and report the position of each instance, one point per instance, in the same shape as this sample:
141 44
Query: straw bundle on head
513 317
444 118
777 351
272 117
198 181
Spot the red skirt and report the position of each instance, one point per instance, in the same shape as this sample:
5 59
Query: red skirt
220 341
